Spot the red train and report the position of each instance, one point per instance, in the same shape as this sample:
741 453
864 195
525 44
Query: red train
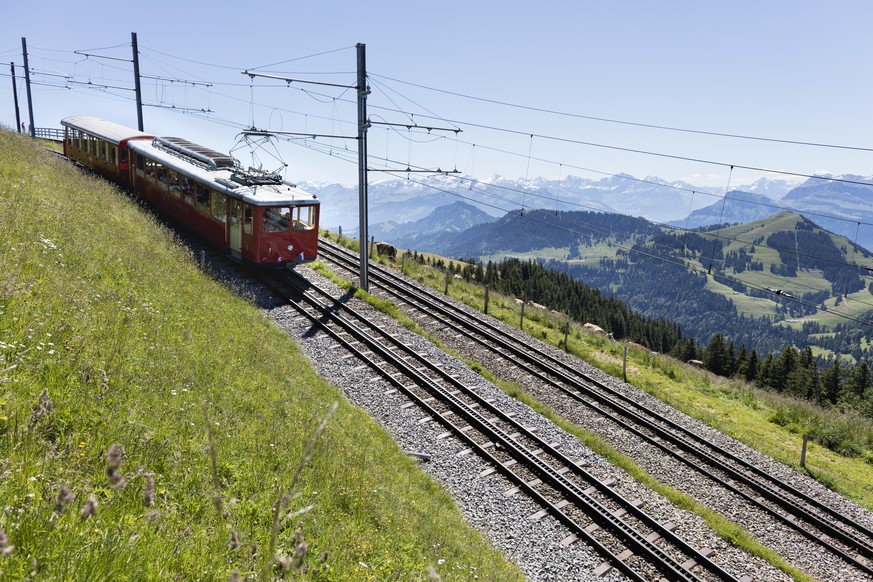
258 217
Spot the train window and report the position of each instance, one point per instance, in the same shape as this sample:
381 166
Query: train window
304 218
140 165
112 152
101 149
247 219
161 173
93 141
187 185
277 219
219 206
202 198
149 169
173 184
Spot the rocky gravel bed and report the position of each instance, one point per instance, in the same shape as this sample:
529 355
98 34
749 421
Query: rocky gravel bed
534 545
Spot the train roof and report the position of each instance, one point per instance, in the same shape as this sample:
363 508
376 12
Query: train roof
222 173
105 130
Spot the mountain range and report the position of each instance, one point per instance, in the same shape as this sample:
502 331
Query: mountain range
839 203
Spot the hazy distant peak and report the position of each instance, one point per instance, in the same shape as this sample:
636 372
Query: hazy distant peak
773 189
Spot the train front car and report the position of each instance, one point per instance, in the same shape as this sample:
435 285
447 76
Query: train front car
258 217
281 218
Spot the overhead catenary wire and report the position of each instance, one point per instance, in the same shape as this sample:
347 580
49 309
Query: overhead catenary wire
631 123
200 112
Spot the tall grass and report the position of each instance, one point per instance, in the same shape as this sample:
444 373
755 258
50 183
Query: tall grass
150 419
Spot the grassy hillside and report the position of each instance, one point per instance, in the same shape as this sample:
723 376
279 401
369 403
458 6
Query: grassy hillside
721 276
151 420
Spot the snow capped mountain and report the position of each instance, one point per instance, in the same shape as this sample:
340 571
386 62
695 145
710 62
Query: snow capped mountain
773 189
401 201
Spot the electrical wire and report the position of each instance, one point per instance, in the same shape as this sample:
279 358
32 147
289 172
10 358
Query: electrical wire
623 122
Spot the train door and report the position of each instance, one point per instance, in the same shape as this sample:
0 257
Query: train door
235 226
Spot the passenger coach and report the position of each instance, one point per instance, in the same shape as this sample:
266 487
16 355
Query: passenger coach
255 215
101 146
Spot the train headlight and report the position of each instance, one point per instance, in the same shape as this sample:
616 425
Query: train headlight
290 247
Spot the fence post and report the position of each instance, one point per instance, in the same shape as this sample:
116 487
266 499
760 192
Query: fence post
624 364
486 300
446 292
567 336
803 451
521 321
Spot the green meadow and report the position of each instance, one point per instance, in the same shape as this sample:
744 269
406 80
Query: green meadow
156 425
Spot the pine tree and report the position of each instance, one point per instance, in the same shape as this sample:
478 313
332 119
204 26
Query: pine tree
830 381
716 357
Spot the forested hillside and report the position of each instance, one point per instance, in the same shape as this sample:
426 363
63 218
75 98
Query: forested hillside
767 284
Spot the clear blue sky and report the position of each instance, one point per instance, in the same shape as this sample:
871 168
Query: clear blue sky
789 70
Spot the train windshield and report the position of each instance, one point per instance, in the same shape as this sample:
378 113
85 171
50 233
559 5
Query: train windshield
279 219
304 217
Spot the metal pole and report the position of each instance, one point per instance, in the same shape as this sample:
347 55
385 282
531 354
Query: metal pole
27 84
363 124
15 97
136 84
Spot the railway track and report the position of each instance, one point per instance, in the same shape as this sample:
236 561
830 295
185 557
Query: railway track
618 529
819 523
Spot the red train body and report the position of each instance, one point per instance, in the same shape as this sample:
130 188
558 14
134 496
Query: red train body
256 216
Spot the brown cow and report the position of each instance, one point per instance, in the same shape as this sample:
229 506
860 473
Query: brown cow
386 249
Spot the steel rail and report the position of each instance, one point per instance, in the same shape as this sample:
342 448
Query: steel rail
631 508
632 539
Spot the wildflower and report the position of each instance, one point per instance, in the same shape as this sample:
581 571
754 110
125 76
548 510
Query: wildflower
5 549
42 410
153 515
89 509
300 549
114 456
234 540
234 575
148 494
116 479
65 497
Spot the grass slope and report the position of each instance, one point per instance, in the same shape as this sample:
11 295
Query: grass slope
150 419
